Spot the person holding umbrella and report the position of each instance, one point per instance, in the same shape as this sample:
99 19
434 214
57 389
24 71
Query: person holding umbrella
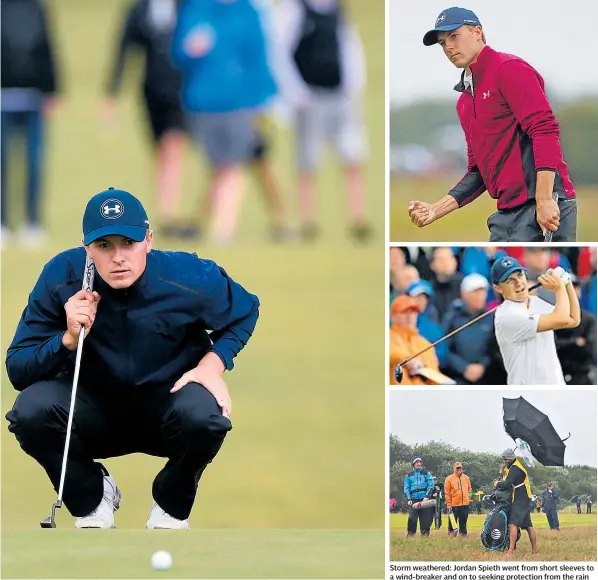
515 478
416 487
550 500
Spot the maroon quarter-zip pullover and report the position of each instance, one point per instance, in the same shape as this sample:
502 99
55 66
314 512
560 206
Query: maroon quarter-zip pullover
511 133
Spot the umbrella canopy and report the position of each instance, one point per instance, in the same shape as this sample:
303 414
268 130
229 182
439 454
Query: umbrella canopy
522 420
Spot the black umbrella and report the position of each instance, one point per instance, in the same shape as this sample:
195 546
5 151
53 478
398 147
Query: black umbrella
522 420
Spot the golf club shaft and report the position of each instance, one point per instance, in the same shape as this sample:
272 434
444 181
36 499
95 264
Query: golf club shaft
88 277
548 236
69 425
459 329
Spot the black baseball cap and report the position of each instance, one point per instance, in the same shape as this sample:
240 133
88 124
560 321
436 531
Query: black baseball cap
449 20
114 212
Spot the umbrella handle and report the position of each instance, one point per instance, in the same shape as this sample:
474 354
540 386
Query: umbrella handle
565 439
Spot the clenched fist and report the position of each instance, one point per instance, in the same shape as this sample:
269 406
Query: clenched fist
421 213
80 312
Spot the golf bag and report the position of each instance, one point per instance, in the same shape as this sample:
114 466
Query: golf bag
435 496
495 531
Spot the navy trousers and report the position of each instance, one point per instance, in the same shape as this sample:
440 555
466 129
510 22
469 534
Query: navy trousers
187 427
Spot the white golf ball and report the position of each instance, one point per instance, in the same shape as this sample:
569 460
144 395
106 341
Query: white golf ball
161 560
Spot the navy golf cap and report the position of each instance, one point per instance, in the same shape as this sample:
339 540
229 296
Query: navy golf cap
449 20
503 268
114 212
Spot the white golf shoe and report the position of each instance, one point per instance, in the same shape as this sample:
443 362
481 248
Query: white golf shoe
160 520
103 515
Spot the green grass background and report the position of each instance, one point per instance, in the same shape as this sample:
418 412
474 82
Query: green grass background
576 541
298 488
467 224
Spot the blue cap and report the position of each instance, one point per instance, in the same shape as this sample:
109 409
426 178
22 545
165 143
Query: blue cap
449 20
420 287
114 212
415 458
503 268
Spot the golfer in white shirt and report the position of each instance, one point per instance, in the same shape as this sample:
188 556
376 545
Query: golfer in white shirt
525 324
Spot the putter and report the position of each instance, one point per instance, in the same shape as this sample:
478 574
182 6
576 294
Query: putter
548 236
399 367
50 521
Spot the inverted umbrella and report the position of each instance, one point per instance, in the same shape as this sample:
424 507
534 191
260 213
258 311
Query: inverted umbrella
522 420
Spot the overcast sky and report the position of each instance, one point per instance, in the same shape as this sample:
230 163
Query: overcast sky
557 37
473 419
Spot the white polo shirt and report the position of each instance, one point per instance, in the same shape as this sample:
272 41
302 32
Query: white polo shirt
529 356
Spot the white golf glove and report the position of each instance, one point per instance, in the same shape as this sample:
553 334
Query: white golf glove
563 275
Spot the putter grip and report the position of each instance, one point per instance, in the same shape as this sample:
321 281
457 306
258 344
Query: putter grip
88 275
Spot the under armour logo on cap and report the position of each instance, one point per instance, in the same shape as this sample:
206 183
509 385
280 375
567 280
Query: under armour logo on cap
440 19
105 215
112 209
507 263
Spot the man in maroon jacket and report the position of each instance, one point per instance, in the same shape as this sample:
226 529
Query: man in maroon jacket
513 146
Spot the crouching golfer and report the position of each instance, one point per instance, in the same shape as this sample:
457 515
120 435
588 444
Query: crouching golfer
416 487
515 480
150 378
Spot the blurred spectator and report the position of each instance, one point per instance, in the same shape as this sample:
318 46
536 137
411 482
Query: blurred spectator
148 25
321 74
220 49
479 260
588 292
447 281
419 258
405 341
576 348
423 294
469 356
427 322
29 89
402 278
260 163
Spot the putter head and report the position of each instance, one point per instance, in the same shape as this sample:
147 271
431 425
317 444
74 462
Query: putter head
399 373
50 521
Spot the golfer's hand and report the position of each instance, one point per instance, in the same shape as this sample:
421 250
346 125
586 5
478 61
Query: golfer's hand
562 274
421 213
548 215
550 281
80 311
210 379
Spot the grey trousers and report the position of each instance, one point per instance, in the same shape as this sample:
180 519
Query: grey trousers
520 225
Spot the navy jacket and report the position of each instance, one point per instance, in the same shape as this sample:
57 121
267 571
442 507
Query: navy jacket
550 500
143 337
471 345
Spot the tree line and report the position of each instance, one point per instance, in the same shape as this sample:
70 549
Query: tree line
419 123
483 469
